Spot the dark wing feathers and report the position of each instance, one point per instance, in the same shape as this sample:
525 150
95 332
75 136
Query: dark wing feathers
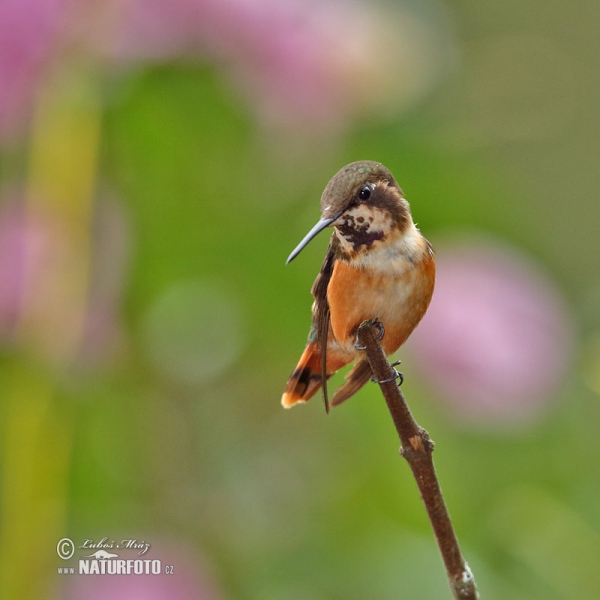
356 378
361 373
321 316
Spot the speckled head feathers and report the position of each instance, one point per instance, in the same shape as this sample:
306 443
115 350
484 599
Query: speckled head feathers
346 193
344 185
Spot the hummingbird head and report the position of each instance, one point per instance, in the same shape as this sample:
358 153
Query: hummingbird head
364 204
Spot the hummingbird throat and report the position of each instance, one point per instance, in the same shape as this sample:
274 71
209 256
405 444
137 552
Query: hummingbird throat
358 229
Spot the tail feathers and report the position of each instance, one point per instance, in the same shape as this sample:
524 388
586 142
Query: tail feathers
306 378
356 378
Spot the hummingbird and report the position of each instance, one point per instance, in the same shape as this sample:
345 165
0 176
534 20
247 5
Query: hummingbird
378 267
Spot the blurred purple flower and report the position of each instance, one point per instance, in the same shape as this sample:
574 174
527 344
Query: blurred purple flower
33 253
303 63
27 30
498 339
24 246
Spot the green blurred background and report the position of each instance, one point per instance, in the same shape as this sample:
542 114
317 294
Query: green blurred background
158 162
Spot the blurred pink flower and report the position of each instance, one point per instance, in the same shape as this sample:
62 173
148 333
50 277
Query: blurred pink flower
303 63
25 243
27 30
282 54
310 65
33 246
498 339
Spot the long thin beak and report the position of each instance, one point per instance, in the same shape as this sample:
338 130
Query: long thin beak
309 236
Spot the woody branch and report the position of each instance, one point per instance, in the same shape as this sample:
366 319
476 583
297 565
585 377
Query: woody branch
417 448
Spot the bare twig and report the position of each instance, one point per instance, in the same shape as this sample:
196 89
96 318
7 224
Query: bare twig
416 449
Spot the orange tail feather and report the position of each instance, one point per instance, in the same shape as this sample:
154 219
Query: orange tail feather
306 378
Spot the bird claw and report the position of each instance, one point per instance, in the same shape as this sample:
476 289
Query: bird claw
378 336
379 326
397 375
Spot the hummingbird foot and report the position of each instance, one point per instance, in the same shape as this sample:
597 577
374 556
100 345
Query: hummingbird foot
380 329
378 336
397 375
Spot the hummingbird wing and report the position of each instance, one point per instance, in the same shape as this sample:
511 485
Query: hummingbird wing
321 315
356 378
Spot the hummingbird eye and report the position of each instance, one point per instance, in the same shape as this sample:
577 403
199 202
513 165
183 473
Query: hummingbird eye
365 192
